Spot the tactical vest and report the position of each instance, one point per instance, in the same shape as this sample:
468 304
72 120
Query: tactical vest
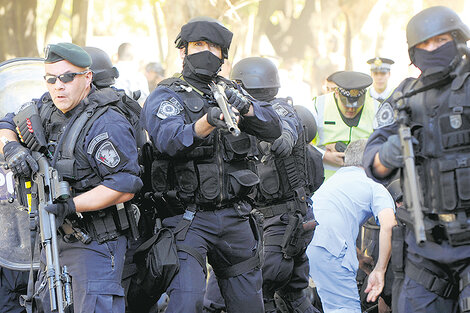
331 127
216 173
72 162
441 124
280 177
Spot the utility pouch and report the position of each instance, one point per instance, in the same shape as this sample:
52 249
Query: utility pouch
157 264
29 128
292 242
398 250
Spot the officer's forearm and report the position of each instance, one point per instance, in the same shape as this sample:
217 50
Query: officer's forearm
6 135
387 221
99 198
378 169
202 128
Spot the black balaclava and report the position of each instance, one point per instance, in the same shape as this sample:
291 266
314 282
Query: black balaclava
440 57
200 68
263 94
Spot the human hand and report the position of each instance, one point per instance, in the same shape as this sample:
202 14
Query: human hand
215 117
19 159
390 154
332 156
61 210
238 100
375 285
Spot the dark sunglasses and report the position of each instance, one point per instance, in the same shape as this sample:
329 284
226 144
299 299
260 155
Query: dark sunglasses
65 78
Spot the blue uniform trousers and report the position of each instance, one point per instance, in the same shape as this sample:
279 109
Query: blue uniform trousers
414 297
226 238
96 271
289 277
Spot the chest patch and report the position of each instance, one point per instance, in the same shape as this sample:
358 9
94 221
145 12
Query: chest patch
280 110
384 116
108 155
169 108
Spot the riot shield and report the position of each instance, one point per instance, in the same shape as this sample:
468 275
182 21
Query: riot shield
21 80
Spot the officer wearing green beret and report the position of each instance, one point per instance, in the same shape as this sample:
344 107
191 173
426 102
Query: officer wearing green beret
343 116
101 169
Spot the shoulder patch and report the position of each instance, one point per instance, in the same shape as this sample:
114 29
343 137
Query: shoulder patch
384 116
169 108
108 155
95 141
280 110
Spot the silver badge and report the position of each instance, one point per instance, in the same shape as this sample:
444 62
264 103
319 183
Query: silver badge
384 116
169 108
108 155
280 110
455 121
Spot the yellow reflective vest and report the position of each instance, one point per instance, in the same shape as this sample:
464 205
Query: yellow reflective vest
331 127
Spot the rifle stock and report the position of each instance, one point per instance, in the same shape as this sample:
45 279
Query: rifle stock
413 196
229 116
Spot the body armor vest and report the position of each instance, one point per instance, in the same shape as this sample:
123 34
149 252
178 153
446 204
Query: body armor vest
216 173
71 160
280 177
441 124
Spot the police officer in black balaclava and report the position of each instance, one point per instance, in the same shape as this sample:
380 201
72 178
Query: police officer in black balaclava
436 271
204 174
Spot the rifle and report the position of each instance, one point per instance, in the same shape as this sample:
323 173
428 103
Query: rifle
48 188
412 193
229 116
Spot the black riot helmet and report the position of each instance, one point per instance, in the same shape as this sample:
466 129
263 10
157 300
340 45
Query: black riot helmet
205 28
256 72
104 73
434 21
308 121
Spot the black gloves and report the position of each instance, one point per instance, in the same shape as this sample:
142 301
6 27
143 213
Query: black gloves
213 117
390 154
61 210
282 146
19 159
239 101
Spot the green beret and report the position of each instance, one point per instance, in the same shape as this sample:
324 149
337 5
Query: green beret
67 51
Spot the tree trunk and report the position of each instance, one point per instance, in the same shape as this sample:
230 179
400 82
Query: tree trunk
52 20
18 29
79 23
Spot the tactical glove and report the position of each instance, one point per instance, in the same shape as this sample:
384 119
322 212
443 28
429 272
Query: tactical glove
19 159
238 100
61 210
213 117
282 146
390 154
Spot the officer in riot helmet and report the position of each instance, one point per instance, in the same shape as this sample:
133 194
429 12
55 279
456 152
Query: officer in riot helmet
101 169
204 172
104 73
289 162
434 108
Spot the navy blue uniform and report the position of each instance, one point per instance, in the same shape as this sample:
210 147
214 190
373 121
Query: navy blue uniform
433 271
110 152
289 275
214 176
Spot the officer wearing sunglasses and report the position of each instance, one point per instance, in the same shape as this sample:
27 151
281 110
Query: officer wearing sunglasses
102 172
